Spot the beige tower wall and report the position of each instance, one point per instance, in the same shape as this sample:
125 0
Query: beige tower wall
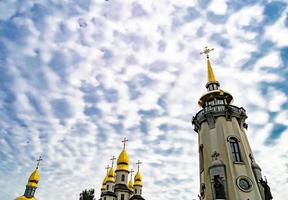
216 139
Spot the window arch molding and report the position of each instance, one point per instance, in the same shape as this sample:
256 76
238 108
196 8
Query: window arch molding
231 137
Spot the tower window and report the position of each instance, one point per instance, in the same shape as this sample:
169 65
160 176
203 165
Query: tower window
122 177
122 196
135 191
234 144
201 158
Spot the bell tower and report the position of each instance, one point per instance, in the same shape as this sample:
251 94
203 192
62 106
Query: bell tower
228 169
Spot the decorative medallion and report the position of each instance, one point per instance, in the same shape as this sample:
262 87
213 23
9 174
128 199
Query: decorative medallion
244 183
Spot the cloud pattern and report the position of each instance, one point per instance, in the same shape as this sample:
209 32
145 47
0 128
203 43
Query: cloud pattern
78 76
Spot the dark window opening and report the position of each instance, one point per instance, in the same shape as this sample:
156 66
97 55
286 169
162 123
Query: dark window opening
234 144
123 177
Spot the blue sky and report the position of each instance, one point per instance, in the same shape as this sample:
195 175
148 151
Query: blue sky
79 76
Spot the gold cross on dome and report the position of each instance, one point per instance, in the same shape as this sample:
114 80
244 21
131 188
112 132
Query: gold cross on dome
139 163
107 168
38 162
112 159
206 51
124 142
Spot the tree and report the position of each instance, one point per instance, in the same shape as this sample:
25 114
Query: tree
87 195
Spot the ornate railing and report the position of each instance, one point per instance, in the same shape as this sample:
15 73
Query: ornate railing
210 113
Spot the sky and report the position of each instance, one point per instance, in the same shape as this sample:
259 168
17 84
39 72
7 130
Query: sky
77 76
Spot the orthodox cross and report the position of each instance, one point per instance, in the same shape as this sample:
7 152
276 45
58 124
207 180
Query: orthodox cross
38 162
112 159
125 141
139 163
131 171
107 168
215 155
207 51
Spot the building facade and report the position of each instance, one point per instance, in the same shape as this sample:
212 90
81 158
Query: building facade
116 186
228 169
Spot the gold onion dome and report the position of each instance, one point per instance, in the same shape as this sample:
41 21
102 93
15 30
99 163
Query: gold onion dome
34 179
131 184
123 161
111 175
104 183
138 179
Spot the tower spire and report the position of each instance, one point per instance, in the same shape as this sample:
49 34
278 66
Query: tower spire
211 76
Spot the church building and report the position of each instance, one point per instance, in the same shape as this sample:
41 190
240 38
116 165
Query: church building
31 185
115 185
228 169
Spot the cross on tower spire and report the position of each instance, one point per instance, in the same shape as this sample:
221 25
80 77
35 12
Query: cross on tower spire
38 161
139 163
112 159
206 52
124 142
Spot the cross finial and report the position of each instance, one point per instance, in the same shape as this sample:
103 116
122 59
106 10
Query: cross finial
215 155
131 171
107 167
139 163
112 159
38 161
124 142
207 51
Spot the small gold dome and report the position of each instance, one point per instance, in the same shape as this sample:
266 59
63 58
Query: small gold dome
34 179
104 183
111 175
25 198
138 179
123 161
131 185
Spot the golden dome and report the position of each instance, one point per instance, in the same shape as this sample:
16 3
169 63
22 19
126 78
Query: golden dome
131 185
25 198
104 183
34 179
138 179
123 161
111 175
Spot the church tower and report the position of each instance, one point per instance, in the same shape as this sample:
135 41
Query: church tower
228 169
137 185
32 184
108 190
122 172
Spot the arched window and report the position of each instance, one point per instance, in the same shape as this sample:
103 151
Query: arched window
122 177
235 150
